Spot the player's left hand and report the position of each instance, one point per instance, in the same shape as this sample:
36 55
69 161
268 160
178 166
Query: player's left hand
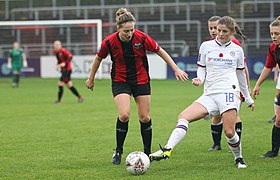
181 75
252 106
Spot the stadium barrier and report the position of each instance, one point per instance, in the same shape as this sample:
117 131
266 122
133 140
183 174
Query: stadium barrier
46 67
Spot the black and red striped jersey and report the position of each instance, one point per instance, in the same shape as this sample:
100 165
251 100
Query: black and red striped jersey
273 56
129 59
64 56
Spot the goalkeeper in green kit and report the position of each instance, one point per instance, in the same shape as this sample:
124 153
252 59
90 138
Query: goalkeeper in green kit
16 61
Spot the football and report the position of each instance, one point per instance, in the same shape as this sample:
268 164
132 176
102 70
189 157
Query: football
137 163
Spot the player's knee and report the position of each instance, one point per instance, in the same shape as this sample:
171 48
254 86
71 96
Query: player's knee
229 133
144 118
124 117
277 122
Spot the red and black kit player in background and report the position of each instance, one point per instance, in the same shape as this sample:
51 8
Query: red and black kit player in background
64 58
217 124
273 58
130 76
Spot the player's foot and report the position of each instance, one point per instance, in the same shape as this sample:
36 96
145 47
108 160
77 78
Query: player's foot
272 120
57 102
215 148
240 163
163 153
270 154
14 85
117 157
80 99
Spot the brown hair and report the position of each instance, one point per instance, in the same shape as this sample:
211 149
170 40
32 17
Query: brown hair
124 16
232 25
276 22
214 18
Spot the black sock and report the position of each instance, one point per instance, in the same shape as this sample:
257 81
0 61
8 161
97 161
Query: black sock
275 139
60 92
74 91
238 129
121 131
17 78
146 132
14 78
217 133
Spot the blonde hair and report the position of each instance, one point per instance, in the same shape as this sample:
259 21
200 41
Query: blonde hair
276 22
232 25
124 16
214 18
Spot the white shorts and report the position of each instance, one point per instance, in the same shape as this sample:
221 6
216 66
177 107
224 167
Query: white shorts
278 82
219 103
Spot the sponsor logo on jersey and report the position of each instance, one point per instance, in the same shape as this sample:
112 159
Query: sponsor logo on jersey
226 61
138 45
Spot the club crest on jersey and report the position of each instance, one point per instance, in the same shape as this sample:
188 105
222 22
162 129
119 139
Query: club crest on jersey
232 53
138 45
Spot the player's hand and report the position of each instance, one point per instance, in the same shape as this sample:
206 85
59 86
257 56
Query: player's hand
252 106
25 64
196 81
62 64
256 91
181 75
9 65
89 84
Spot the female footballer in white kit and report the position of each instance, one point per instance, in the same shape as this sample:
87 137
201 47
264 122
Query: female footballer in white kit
221 69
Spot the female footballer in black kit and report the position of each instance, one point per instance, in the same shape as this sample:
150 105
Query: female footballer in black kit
130 76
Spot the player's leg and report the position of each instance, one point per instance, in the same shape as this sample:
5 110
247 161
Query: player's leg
121 93
143 106
216 131
275 134
229 121
192 113
67 80
60 91
16 76
142 96
272 120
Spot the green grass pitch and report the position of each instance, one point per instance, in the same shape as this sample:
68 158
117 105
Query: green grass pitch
43 140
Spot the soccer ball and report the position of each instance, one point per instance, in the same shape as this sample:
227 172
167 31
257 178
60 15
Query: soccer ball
137 163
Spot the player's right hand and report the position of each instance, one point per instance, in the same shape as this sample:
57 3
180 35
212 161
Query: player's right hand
196 81
89 84
256 91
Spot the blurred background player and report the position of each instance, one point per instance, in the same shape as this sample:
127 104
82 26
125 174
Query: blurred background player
130 76
217 124
16 61
64 58
277 82
273 58
221 69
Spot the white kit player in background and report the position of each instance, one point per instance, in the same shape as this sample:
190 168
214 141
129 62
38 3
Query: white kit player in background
221 69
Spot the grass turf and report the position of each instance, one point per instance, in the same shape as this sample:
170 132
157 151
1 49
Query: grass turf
43 140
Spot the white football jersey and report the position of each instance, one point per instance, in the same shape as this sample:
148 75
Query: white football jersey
221 62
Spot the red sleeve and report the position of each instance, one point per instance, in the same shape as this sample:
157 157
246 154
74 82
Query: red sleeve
68 56
103 50
270 59
151 45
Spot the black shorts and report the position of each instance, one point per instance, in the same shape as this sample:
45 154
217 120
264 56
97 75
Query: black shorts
65 76
135 90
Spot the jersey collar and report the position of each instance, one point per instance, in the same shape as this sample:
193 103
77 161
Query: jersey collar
220 44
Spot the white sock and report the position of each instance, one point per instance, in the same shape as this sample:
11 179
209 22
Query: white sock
178 133
235 146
